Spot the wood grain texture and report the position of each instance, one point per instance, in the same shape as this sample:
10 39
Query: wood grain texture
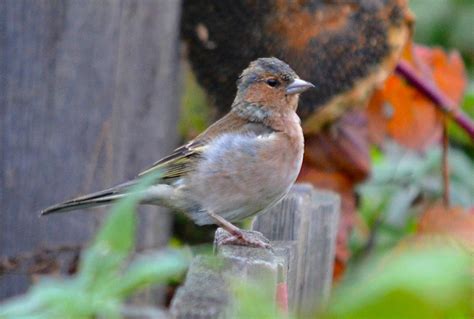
88 98
308 217
204 294
207 292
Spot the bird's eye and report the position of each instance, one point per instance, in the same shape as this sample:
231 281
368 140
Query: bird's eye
273 82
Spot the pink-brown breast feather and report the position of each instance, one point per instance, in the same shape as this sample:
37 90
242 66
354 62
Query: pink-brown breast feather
241 174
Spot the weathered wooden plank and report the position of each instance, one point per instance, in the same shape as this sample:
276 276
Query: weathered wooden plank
88 97
207 293
309 217
147 96
204 293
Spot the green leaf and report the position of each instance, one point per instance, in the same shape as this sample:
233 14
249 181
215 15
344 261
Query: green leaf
99 289
458 134
50 298
114 241
118 232
153 269
195 112
433 283
21 307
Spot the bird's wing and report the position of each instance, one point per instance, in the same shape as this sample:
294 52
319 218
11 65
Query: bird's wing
179 162
183 159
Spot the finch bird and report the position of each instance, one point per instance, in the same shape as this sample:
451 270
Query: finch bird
239 167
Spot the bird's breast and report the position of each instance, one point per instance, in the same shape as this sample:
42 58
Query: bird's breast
240 175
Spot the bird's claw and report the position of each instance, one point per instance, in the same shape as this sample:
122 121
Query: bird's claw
242 238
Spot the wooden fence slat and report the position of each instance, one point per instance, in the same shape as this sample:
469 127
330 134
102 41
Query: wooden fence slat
309 217
88 98
206 293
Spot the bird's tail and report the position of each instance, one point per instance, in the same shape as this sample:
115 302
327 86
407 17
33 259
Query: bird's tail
101 198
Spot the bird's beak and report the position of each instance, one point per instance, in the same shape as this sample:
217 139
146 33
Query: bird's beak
298 86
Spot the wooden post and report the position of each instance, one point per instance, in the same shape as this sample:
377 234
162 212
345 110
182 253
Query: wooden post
206 292
309 217
303 230
88 98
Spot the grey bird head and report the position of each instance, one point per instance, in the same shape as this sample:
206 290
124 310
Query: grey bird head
275 73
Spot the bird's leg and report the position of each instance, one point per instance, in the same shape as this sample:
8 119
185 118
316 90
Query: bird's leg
228 226
237 235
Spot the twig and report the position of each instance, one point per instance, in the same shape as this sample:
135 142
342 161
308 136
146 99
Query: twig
444 103
445 165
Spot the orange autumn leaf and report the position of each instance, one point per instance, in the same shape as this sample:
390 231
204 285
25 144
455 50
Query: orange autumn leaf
455 224
398 110
415 122
442 227
448 71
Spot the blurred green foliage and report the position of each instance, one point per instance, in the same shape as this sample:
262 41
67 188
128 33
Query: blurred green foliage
434 283
106 275
423 283
400 180
457 134
195 111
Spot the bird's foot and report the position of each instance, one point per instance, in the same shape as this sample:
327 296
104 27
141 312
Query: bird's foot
241 237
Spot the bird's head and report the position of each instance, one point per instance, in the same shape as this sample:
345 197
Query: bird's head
269 83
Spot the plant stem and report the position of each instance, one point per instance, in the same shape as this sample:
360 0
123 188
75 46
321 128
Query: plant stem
444 103
445 165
